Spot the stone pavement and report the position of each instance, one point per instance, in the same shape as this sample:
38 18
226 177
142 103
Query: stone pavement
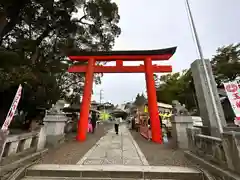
161 154
115 149
71 151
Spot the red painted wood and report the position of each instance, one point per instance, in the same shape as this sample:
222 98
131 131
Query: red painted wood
152 102
148 69
86 101
119 63
121 69
122 57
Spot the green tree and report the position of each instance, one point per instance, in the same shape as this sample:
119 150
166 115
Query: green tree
156 79
36 36
140 100
168 88
177 86
226 63
180 86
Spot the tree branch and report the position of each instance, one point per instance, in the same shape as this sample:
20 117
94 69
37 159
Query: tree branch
43 35
75 82
38 41
13 13
81 20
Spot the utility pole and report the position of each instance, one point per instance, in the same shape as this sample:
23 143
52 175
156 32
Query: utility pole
199 48
101 96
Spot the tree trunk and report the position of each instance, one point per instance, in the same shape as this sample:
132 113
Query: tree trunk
3 22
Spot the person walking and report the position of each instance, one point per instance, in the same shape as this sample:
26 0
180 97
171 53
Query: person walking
93 120
90 129
116 124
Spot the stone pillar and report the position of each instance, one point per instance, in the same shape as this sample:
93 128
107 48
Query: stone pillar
205 104
42 138
191 133
54 124
179 130
231 146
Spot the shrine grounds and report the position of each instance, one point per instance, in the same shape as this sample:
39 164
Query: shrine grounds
72 151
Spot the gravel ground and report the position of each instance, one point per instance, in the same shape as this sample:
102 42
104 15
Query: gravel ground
72 151
159 155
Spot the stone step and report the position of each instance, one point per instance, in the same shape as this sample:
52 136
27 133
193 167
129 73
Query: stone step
70 178
52 171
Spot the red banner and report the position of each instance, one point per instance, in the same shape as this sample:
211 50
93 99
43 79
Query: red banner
233 92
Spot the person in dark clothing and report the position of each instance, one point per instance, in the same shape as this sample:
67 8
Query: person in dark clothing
93 120
160 119
116 124
116 128
133 123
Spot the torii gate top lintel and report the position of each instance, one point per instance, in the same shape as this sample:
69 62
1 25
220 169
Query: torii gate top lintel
133 55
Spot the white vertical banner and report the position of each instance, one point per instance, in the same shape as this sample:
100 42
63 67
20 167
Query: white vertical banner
233 92
12 109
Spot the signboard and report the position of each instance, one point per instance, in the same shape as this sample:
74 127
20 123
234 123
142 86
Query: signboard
233 92
12 109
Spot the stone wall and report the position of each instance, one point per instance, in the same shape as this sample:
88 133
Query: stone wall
179 134
222 153
22 144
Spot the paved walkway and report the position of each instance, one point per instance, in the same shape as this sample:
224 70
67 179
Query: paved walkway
115 149
71 151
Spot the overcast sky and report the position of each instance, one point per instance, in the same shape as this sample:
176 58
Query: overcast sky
159 24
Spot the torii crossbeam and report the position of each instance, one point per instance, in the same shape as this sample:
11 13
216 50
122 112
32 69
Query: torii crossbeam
119 56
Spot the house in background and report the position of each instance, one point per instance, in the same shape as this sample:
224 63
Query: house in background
162 107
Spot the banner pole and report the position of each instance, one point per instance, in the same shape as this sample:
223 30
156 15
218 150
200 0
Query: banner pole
12 109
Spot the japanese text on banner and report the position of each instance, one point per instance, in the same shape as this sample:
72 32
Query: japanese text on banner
12 109
233 92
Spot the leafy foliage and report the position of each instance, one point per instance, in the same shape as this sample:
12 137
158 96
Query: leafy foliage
140 100
179 86
226 63
36 36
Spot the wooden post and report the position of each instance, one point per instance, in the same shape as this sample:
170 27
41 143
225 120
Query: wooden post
152 102
86 101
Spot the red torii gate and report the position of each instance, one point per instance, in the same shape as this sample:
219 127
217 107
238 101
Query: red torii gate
119 56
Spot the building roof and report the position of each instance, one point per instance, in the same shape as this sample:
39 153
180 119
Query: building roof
126 52
163 105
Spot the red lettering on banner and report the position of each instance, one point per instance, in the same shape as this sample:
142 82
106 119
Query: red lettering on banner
236 96
238 103
231 88
14 106
7 124
11 114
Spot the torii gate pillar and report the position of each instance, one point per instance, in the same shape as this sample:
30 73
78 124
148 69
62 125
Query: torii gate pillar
86 101
152 102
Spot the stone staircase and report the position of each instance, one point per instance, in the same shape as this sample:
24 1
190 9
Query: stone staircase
107 172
